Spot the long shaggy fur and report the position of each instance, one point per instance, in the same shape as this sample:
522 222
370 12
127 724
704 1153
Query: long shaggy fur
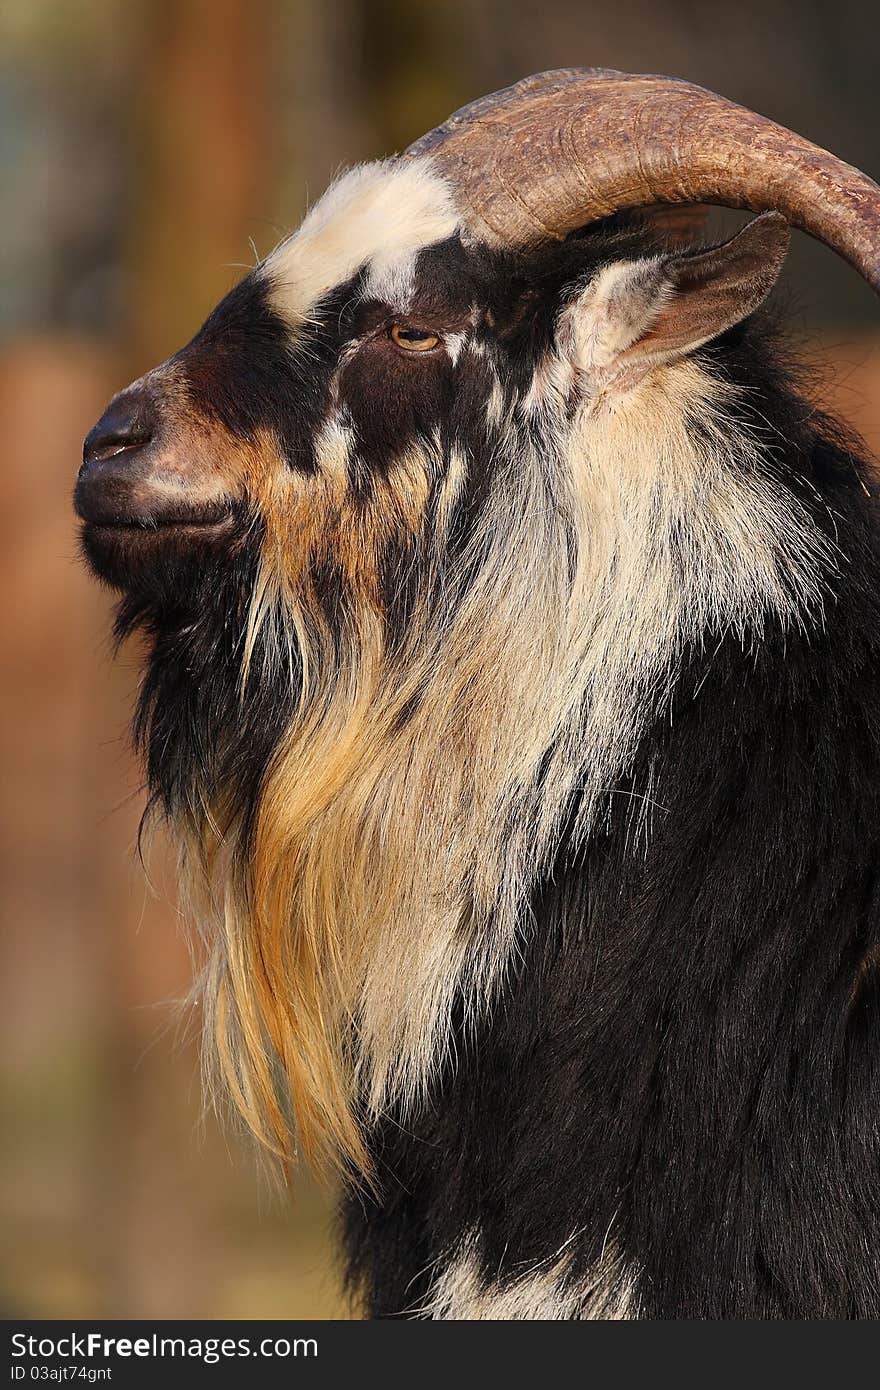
522 756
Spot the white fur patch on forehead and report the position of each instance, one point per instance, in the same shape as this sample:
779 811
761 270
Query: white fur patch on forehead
392 280
381 214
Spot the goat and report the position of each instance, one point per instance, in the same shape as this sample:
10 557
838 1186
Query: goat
513 693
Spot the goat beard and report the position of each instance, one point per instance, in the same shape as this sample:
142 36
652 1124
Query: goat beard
379 873
361 899
383 873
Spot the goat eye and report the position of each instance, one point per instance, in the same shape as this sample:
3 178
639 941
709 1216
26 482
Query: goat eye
413 339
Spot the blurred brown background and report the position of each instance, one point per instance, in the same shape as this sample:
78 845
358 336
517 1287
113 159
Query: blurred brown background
143 145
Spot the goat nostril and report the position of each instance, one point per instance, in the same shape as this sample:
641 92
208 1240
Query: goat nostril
108 446
124 428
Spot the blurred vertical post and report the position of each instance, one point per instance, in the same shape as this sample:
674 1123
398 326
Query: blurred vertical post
202 159
204 156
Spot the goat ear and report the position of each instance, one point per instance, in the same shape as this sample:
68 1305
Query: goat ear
637 314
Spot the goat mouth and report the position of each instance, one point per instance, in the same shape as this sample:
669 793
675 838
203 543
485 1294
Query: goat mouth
150 526
132 552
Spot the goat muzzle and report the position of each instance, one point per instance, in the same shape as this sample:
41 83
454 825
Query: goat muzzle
147 491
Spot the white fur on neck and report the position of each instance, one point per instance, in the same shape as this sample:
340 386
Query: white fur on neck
545 675
546 1293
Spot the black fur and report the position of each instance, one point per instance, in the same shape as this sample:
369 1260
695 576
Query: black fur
196 728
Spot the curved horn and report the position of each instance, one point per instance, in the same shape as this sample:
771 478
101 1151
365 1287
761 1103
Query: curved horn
564 148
